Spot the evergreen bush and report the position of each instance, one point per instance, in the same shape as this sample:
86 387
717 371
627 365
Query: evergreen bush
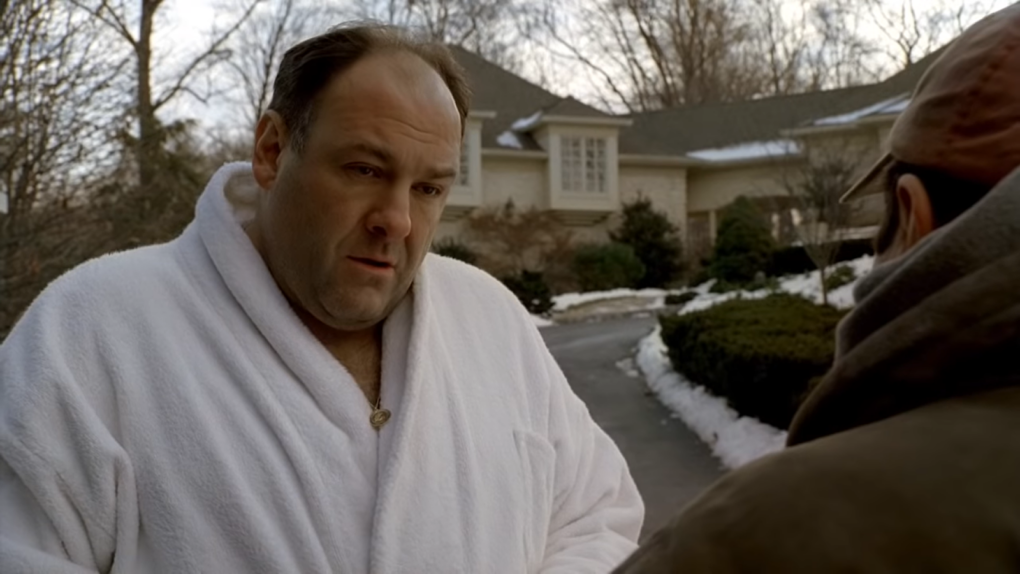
761 355
655 241
743 244
606 266
532 290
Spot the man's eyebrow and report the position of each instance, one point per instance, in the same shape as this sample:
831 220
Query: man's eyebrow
380 154
384 156
443 173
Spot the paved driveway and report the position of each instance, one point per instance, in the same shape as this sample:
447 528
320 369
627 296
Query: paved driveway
669 463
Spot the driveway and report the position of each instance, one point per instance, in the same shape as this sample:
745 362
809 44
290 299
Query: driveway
669 463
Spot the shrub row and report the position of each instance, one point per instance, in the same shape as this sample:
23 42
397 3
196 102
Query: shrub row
761 355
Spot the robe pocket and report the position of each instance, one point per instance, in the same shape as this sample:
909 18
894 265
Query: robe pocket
538 460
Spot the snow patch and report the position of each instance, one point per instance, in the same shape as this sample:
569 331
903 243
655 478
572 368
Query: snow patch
509 139
628 367
568 300
734 439
747 151
524 124
891 106
541 321
806 285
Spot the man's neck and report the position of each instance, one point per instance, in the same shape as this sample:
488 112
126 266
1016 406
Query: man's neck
359 351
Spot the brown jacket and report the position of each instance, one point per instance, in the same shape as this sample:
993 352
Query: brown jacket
907 457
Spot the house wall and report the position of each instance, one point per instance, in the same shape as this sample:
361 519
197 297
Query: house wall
665 186
525 180
712 190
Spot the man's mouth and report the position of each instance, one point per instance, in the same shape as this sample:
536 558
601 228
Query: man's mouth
376 263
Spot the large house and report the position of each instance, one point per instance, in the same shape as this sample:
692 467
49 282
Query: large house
525 144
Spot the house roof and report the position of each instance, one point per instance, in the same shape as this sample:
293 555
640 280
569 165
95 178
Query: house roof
513 99
678 131
675 131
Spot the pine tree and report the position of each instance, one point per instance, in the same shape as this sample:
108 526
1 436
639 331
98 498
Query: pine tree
654 239
743 244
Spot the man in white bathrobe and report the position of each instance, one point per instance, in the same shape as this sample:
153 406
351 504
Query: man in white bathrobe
293 384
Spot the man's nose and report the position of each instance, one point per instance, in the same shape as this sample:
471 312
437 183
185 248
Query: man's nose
390 216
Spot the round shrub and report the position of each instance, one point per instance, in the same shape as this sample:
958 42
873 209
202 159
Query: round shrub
606 266
761 355
532 290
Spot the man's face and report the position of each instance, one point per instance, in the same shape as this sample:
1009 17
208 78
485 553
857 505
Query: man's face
345 224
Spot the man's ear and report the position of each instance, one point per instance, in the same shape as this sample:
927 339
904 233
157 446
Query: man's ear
270 142
916 217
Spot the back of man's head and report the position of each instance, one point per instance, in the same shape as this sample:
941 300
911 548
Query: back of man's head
960 134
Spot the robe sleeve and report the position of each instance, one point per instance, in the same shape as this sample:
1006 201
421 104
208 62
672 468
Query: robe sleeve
67 496
597 510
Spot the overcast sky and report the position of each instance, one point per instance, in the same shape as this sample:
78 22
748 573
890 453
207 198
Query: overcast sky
186 27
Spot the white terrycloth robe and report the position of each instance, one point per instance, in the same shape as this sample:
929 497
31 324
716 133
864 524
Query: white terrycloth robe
163 410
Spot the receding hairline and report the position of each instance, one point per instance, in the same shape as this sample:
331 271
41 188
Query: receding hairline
372 40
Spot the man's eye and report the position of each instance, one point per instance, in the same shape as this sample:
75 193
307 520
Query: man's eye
365 170
431 190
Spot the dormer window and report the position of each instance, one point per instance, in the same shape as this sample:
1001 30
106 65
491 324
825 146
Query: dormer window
584 164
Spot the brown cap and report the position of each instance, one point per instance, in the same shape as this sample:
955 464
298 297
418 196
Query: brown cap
964 117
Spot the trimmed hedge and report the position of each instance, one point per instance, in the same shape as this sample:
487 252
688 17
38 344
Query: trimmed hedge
761 355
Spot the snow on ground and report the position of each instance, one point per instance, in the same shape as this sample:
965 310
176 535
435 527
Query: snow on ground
509 139
734 439
568 300
806 285
541 321
750 150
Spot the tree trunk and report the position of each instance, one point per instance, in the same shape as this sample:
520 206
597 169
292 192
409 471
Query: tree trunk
821 277
148 125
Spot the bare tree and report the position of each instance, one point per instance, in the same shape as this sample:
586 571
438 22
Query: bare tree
650 54
259 45
815 186
653 54
149 99
912 31
60 99
493 29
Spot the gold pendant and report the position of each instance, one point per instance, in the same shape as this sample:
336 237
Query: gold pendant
379 417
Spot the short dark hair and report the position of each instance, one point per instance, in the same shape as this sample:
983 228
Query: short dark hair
950 197
309 66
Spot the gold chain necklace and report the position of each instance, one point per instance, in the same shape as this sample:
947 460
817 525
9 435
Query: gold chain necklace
379 415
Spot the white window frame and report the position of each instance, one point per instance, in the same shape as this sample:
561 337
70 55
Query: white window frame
584 165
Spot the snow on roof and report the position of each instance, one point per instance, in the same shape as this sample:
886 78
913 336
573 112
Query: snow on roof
527 123
890 106
509 139
749 150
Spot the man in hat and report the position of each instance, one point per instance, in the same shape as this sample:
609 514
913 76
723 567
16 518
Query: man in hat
907 456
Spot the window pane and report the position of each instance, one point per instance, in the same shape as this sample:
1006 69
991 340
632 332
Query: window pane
463 177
